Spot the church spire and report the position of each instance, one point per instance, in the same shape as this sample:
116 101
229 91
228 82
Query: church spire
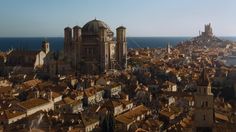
203 78
203 104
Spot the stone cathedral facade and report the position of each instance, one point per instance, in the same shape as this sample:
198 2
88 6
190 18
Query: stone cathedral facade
93 48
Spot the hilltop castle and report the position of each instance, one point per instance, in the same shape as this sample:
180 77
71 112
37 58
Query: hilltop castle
93 48
208 31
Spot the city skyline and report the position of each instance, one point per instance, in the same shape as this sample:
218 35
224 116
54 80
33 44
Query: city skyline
153 18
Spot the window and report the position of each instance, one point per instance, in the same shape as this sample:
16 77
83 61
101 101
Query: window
204 117
206 104
202 104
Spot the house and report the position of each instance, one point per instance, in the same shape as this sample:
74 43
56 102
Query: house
26 61
136 114
127 104
10 116
56 97
118 106
93 95
34 105
114 106
30 84
103 81
112 89
170 86
77 94
153 125
68 105
169 114
80 122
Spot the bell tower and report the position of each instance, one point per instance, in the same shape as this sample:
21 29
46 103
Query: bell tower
104 53
121 47
45 46
204 105
76 47
67 41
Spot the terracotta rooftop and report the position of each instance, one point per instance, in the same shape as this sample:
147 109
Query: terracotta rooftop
5 89
31 83
131 115
11 113
55 95
34 102
92 90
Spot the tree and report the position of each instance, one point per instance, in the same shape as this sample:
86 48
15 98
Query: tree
108 123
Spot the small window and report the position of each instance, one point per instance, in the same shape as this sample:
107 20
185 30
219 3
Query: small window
204 117
202 104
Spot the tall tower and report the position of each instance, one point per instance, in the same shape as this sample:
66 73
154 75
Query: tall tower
121 47
208 30
104 54
67 41
45 46
204 107
76 33
76 46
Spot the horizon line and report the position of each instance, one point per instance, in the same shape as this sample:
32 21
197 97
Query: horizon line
114 37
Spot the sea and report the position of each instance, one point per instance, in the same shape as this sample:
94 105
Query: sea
56 43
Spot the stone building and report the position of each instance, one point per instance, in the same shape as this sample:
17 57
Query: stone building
25 60
93 49
204 105
34 105
208 31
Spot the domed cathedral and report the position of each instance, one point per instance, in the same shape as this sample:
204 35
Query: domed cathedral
93 49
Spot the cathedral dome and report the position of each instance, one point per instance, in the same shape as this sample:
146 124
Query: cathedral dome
93 27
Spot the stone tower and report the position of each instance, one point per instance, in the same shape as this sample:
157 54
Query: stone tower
76 33
76 45
45 47
208 31
104 63
67 42
121 47
204 107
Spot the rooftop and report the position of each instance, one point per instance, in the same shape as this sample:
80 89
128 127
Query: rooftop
131 115
32 103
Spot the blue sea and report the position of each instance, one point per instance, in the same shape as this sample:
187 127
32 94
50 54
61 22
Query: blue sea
56 43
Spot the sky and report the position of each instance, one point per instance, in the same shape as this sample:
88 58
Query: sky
48 18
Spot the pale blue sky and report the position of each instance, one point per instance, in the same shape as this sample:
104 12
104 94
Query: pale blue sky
47 18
